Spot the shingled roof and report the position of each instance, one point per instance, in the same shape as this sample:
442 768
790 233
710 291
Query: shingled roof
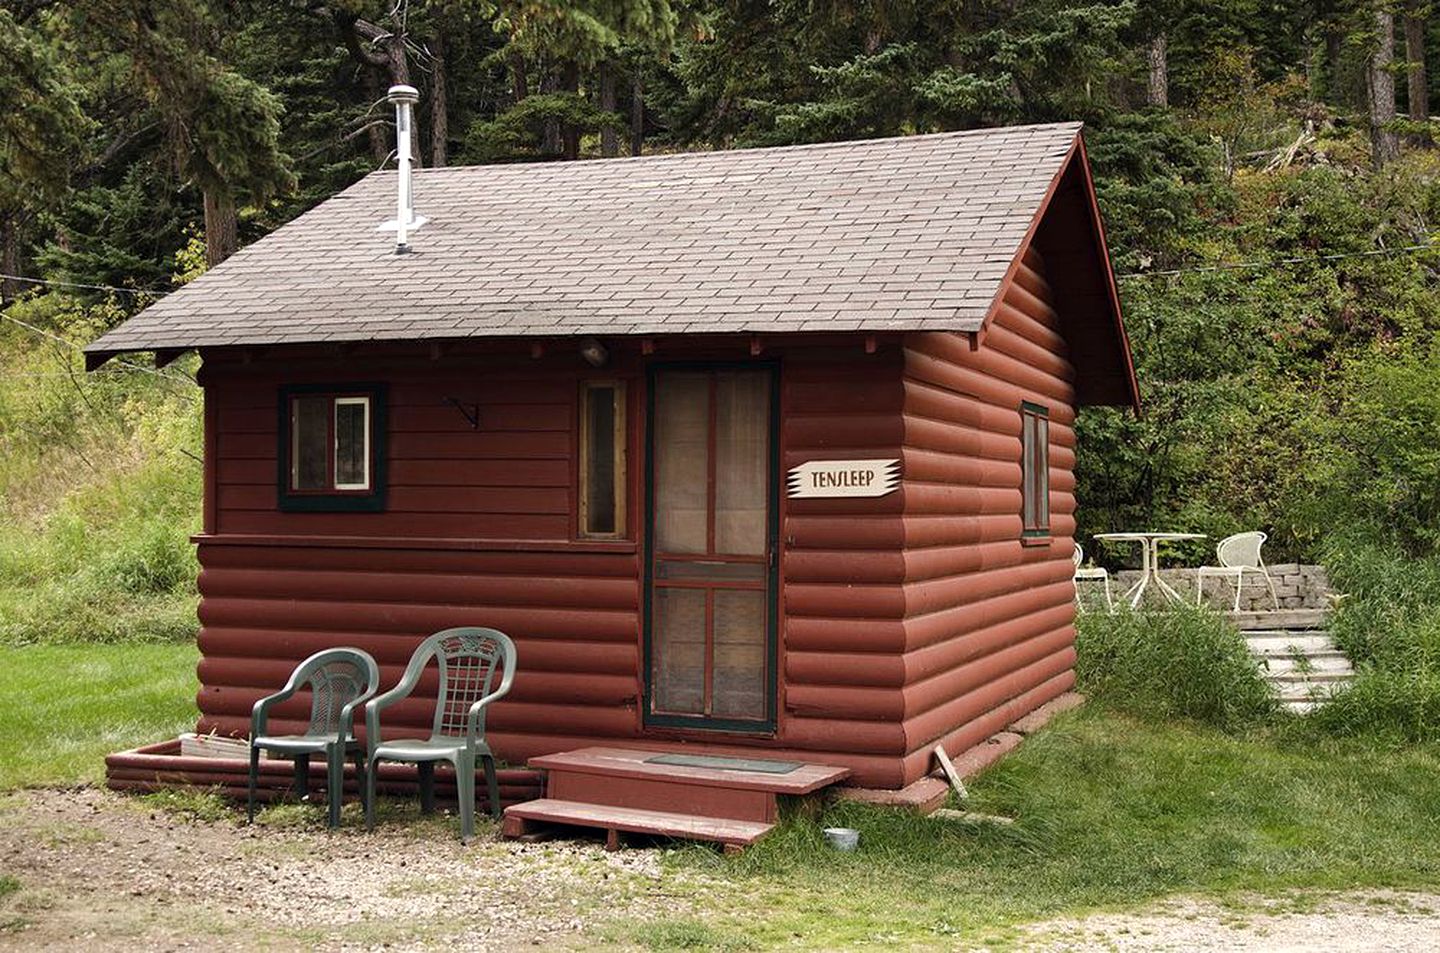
914 233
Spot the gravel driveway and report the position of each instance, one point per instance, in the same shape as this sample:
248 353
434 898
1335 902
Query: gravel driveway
98 871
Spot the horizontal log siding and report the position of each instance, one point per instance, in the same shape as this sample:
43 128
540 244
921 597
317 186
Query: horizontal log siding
842 568
278 586
987 630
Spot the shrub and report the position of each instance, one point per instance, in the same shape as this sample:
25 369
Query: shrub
1389 626
1188 663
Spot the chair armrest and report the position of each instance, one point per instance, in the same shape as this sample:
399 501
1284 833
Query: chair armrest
347 713
375 706
260 713
472 721
402 690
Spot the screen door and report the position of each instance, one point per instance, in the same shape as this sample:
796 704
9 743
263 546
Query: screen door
710 589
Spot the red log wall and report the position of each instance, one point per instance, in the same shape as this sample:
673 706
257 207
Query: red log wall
479 528
987 630
905 620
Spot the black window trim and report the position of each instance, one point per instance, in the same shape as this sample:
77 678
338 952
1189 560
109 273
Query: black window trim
339 501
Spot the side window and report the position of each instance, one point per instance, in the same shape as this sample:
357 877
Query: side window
330 450
602 459
1035 468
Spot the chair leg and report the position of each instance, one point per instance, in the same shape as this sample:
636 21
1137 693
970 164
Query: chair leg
335 781
426 773
302 776
254 780
360 775
1239 584
1199 588
1109 600
370 794
465 794
492 785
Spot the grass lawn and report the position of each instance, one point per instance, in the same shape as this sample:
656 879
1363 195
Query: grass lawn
67 706
1110 813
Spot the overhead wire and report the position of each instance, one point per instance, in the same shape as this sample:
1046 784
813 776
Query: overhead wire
1273 262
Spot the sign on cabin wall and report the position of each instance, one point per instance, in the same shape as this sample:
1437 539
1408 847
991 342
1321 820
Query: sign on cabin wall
821 479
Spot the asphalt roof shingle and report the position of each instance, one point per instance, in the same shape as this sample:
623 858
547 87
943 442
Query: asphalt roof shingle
913 233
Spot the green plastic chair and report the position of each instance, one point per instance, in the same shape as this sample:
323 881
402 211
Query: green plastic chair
339 680
468 659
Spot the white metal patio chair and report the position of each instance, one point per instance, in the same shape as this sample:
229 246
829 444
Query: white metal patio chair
1093 574
1238 556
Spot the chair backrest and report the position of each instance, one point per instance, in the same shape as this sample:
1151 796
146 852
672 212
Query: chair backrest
336 677
1242 549
1079 555
469 658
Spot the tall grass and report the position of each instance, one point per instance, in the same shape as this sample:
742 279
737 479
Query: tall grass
99 488
1183 664
1389 625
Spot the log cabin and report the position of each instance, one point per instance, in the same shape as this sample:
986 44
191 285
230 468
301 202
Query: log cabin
763 453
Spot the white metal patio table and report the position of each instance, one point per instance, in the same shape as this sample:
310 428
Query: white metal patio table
1149 562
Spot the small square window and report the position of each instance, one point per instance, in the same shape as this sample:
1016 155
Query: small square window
1035 469
602 459
330 457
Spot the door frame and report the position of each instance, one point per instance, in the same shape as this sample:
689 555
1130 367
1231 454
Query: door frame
648 719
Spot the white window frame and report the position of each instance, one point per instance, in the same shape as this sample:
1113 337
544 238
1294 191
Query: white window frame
335 436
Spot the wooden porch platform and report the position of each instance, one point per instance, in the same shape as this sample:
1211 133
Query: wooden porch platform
731 801
161 766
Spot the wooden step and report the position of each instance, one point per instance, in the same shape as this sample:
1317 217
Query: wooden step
720 787
732 833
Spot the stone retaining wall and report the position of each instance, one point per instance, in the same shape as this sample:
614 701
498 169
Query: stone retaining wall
1297 586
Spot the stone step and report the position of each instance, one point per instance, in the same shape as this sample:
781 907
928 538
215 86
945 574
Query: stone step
1278 643
1328 663
1308 688
1283 619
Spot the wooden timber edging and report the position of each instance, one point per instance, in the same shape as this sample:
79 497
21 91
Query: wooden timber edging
161 767
928 794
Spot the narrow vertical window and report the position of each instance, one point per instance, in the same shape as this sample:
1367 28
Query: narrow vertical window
602 459
1035 468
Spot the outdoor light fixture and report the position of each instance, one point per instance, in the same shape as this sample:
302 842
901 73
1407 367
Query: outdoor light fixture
594 352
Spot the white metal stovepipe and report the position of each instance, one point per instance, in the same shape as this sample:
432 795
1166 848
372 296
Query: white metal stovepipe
406 221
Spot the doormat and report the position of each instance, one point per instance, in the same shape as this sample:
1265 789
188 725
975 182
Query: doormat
753 765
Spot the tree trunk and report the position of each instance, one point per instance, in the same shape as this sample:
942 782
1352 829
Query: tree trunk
439 104
551 142
570 133
637 114
221 237
1384 144
519 82
1159 93
9 257
1417 90
379 138
1334 50
609 139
